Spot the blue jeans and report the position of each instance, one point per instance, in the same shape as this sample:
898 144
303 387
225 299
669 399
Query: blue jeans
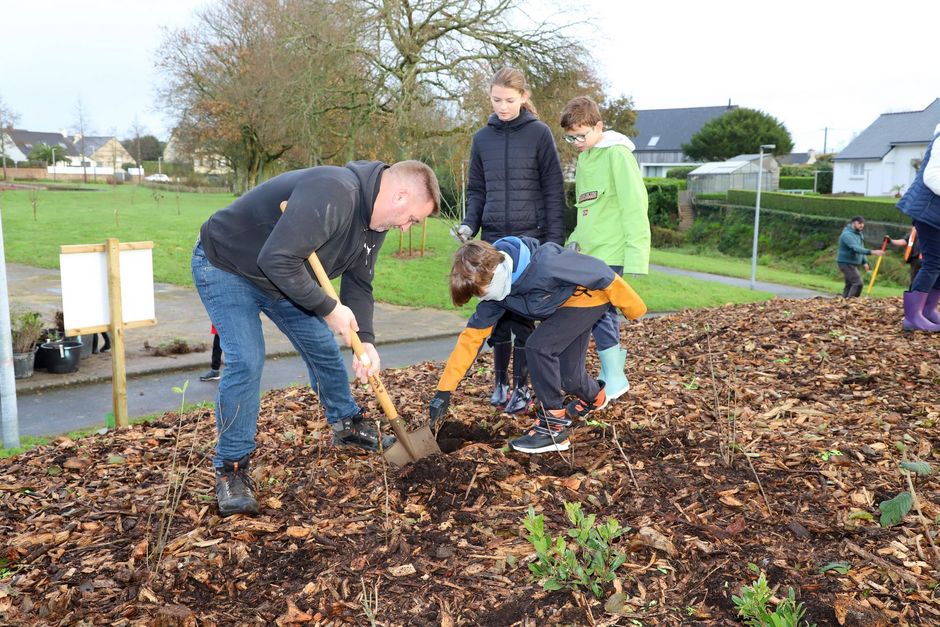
234 305
606 331
928 277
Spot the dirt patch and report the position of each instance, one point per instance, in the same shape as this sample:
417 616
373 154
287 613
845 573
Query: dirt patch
724 454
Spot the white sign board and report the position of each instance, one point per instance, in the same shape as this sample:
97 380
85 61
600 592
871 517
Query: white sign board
85 287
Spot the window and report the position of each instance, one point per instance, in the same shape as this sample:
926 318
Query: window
858 169
653 140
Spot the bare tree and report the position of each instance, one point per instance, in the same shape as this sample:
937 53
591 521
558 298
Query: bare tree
136 129
220 86
8 118
81 122
427 53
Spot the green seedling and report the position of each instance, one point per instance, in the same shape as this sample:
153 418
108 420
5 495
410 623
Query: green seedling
827 455
691 384
753 606
590 564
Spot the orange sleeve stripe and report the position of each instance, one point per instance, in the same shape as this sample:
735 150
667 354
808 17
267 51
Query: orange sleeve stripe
461 358
623 297
586 298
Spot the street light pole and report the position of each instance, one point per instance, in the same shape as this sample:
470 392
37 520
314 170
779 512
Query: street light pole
53 164
760 171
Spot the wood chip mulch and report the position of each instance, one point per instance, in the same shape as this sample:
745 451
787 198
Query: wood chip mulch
755 437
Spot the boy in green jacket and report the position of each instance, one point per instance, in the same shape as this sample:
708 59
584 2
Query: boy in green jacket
612 220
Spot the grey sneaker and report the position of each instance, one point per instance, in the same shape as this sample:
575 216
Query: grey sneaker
354 431
234 488
211 375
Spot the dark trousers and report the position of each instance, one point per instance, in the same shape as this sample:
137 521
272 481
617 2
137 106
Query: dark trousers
216 352
928 277
853 280
510 325
555 352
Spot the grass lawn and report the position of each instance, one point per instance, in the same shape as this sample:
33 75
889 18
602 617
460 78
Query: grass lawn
741 268
172 221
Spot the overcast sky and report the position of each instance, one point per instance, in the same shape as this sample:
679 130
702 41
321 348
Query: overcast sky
826 63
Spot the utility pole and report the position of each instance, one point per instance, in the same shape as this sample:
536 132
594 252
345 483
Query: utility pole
9 420
825 139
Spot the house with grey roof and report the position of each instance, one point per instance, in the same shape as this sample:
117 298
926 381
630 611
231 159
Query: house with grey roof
26 141
886 154
661 133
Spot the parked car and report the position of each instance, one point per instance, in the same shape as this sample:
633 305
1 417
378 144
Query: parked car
158 178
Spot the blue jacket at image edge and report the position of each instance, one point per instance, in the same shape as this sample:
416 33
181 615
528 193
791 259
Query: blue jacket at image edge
920 202
514 184
851 247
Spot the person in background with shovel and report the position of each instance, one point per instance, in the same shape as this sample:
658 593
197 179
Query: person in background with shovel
250 258
568 292
852 256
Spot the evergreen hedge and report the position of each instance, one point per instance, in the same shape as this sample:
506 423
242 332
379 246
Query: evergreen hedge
844 207
796 182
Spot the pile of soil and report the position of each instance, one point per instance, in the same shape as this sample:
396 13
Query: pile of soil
754 438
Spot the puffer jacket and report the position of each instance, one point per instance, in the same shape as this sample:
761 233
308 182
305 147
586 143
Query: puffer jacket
922 201
515 185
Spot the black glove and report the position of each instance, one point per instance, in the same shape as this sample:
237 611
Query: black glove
438 407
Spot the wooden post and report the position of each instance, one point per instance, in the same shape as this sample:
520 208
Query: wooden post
118 373
424 235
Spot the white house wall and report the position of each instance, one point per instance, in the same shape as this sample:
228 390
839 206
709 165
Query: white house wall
896 168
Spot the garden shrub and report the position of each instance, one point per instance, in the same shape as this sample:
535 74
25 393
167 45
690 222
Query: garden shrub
666 238
681 172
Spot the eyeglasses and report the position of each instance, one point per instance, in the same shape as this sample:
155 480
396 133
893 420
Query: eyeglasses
576 138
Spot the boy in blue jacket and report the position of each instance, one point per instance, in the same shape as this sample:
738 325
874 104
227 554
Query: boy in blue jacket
568 292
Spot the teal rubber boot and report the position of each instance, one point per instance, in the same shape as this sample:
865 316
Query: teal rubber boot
612 362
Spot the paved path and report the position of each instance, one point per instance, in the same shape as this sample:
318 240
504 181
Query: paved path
780 291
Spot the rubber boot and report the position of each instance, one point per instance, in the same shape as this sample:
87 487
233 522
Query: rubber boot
521 399
612 362
930 306
501 354
914 319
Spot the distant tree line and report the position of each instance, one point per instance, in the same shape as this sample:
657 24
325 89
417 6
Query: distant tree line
276 84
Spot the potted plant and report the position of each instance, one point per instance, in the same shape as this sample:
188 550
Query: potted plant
26 329
897 189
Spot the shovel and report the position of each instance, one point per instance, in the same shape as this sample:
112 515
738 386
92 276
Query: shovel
410 446
874 275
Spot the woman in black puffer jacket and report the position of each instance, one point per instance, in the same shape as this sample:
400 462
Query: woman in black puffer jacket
514 187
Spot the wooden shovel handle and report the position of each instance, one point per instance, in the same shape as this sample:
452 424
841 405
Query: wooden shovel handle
381 393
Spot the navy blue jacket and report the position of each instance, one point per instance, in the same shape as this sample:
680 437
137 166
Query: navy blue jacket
544 277
515 185
920 202
328 211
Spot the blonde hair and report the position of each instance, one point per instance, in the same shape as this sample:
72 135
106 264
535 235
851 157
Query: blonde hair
512 78
423 176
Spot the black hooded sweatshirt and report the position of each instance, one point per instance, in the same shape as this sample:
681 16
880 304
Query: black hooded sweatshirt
328 211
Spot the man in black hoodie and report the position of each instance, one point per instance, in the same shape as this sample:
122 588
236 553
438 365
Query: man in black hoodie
252 259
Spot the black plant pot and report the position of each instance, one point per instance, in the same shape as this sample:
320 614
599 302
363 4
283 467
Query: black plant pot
60 357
